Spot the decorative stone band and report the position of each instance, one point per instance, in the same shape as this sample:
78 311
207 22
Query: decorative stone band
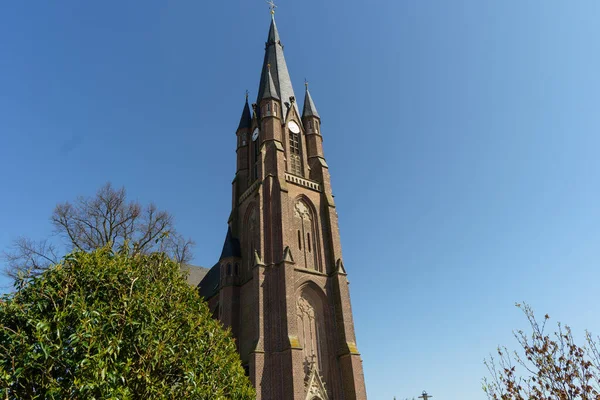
302 182
249 191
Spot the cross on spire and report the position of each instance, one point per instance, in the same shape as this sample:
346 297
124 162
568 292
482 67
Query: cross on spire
272 6
425 396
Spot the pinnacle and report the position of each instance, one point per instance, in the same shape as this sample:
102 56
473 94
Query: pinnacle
246 119
270 91
310 110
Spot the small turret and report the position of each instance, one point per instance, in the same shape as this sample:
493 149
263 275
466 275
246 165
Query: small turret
310 110
230 261
246 119
269 102
243 129
312 126
243 139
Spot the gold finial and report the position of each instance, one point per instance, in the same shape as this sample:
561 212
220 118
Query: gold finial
269 66
272 6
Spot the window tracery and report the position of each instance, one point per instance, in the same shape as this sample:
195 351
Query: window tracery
310 313
307 235
295 159
251 240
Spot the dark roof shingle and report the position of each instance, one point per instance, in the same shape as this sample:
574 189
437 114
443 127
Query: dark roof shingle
279 71
310 110
246 119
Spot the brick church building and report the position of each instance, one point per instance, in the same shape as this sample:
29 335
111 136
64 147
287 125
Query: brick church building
280 283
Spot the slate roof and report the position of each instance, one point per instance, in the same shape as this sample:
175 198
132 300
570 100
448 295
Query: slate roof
209 285
279 70
231 247
310 110
246 119
194 273
269 91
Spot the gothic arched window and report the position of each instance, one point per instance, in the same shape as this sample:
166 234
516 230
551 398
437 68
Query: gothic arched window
305 223
295 159
251 238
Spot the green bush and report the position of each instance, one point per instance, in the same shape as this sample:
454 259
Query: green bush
102 325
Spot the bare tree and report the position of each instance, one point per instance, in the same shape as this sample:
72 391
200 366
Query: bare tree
106 219
547 367
29 256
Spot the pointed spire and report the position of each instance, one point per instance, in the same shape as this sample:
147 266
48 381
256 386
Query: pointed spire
273 37
279 71
309 105
269 91
246 119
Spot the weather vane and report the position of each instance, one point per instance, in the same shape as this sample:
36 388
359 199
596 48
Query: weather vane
272 6
247 93
306 83
425 396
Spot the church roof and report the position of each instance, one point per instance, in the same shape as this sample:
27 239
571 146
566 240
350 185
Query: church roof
310 110
194 273
209 285
246 119
231 247
279 71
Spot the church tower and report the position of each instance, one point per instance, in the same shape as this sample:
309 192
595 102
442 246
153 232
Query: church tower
280 283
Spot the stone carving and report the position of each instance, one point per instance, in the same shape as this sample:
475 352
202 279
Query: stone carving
302 211
315 386
309 333
305 309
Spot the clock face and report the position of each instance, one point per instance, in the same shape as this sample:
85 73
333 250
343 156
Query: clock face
255 135
293 127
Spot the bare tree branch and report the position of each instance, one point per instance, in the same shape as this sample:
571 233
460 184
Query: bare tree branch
546 367
29 257
106 219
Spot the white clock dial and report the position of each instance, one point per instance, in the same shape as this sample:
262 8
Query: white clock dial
255 135
293 127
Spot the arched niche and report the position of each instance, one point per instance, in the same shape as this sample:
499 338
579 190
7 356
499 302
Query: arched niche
307 238
251 237
311 320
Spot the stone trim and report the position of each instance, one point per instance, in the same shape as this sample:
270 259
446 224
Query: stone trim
311 271
249 191
303 182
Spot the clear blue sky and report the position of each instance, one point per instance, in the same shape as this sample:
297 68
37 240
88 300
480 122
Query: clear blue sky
462 136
